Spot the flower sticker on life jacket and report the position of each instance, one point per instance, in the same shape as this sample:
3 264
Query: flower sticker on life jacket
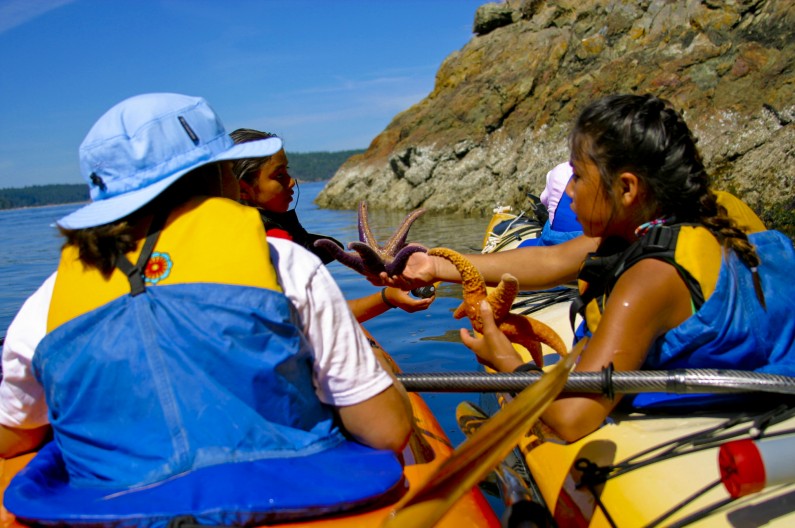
158 267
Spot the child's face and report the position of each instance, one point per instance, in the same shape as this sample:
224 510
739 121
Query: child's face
589 200
272 190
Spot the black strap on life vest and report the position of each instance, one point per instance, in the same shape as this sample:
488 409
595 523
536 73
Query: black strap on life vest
602 269
595 271
135 273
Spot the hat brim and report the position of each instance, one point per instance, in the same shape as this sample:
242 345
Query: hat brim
100 212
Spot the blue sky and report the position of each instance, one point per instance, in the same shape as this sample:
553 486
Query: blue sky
325 74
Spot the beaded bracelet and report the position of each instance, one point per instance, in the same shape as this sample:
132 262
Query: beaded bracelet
386 301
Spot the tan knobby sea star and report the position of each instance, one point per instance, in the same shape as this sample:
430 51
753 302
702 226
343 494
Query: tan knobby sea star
370 259
519 329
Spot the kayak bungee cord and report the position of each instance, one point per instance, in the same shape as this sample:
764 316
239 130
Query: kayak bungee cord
695 516
710 438
714 437
751 425
537 301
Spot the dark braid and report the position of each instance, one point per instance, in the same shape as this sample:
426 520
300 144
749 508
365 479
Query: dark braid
646 136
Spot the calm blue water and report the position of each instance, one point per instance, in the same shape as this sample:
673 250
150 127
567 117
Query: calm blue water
420 342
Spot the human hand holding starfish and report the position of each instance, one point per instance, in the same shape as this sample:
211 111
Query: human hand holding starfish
519 329
493 349
418 271
368 257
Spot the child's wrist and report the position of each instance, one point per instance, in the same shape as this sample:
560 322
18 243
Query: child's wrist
438 268
385 300
527 367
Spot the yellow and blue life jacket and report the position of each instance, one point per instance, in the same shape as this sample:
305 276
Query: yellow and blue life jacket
735 324
697 256
183 385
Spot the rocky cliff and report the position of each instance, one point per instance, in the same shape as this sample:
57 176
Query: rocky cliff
499 114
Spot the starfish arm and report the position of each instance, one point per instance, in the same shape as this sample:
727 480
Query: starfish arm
472 282
519 331
530 333
501 298
352 260
398 240
462 311
396 266
365 233
371 259
532 346
548 336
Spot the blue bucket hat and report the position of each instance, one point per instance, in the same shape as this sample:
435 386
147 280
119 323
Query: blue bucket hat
144 144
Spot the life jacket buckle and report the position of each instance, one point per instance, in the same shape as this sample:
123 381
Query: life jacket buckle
658 238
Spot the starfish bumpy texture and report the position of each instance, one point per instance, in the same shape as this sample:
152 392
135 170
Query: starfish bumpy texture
519 329
370 259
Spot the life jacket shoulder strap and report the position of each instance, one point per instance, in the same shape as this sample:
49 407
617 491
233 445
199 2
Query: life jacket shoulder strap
135 272
601 272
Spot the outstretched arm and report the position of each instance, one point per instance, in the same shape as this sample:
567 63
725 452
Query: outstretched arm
365 308
536 268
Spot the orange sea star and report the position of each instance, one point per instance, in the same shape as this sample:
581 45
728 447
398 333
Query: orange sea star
519 329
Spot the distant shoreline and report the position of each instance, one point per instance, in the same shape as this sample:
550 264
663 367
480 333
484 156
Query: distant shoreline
4 207
40 206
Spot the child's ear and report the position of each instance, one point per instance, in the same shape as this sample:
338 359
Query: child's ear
629 188
246 190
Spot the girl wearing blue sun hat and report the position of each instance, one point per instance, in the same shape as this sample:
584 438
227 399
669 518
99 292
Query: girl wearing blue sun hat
181 367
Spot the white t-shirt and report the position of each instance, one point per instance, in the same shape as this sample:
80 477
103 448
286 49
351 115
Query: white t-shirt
346 370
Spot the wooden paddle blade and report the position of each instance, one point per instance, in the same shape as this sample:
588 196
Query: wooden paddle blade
481 453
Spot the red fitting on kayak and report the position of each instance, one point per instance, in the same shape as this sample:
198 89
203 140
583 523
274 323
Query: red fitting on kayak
742 470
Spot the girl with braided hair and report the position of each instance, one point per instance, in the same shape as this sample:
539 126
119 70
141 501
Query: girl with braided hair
672 273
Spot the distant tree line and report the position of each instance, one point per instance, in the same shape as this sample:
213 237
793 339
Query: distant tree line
43 195
317 166
309 166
